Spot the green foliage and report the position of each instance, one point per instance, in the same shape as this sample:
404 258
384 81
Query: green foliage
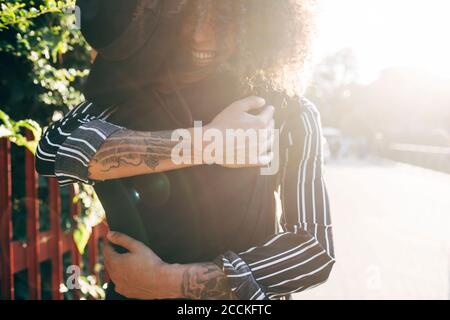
89 288
12 130
92 212
43 59
16 13
92 215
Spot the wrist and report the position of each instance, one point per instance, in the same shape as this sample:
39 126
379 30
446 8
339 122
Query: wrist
174 275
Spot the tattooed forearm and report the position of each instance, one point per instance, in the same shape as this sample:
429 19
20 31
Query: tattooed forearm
206 281
128 152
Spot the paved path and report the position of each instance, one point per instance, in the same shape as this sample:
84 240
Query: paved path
391 232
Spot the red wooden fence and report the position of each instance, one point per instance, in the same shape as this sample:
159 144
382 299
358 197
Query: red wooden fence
16 256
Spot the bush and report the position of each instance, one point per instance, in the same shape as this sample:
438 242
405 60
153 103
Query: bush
43 59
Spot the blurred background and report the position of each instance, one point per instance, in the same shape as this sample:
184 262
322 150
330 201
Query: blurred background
382 83
381 79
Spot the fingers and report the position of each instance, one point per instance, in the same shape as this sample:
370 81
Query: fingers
113 262
266 140
125 241
266 159
266 143
266 116
259 150
109 252
250 103
111 257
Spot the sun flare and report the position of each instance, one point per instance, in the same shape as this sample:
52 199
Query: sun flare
385 33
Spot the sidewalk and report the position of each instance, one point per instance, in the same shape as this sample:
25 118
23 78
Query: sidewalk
391 232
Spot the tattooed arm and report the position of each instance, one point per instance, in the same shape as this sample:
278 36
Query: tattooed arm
83 146
129 153
205 281
141 274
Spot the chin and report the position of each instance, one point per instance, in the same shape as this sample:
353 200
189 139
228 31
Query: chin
203 64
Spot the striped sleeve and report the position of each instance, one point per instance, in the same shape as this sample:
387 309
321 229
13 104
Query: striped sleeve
301 256
69 144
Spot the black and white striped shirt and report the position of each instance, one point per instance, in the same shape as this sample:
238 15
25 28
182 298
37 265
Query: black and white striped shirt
297 258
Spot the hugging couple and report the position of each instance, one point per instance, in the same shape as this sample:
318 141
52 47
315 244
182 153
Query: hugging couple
205 230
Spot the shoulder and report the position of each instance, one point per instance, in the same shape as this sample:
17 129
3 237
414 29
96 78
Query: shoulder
309 106
306 123
301 123
301 112
301 137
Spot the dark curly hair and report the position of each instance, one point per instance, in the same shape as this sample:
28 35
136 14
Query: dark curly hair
274 40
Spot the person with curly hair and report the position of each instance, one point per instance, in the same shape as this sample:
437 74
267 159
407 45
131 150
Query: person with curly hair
212 229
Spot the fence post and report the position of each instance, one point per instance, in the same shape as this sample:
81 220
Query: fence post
30 260
56 238
6 250
32 206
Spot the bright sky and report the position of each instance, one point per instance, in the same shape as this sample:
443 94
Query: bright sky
387 33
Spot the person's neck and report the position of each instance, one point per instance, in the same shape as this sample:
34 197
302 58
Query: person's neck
181 79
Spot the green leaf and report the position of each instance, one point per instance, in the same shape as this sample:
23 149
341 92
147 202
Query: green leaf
12 130
81 237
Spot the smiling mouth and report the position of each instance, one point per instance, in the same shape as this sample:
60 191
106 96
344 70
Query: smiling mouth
203 56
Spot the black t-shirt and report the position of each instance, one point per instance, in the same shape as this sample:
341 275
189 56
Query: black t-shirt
195 214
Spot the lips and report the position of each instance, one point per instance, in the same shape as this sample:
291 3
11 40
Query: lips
203 55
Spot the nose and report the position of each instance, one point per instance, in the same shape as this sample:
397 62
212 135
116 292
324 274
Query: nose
203 33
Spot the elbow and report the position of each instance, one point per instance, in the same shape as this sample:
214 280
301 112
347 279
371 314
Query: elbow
327 273
309 280
324 274
320 275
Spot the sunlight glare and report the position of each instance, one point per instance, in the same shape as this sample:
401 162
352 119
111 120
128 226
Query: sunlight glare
385 33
